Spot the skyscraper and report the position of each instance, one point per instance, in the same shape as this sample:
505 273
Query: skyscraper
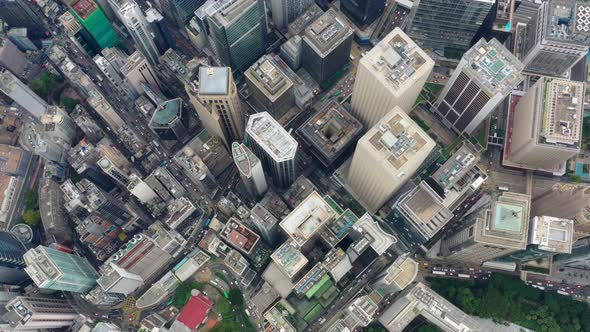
170 121
19 14
498 228
53 269
12 263
486 74
386 157
22 94
274 146
362 13
391 74
159 26
546 125
216 100
271 88
552 36
180 11
138 72
448 26
95 22
250 169
36 312
132 17
286 11
238 31
326 46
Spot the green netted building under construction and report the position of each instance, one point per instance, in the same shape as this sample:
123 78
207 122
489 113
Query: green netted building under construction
99 32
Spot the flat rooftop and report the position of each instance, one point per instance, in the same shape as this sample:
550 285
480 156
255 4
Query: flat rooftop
305 19
271 136
552 234
493 67
307 218
214 80
83 8
228 11
239 236
268 78
396 59
425 210
506 222
327 32
244 158
330 131
420 300
10 159
567 21
399 139
381 240
289 258
563 112
460 163
402 272
167 112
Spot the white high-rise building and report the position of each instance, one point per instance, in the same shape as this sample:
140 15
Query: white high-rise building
21 94
386 157
486 74
275 147
546 125
286 11
216 100
139 29
391 74
250 169
39 313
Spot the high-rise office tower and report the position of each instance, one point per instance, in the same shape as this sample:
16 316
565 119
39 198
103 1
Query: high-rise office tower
498 228
396 277
447 26
238 31
138 72
326 46
12 58
93 19
112 73
568 201
132 17
19 14
362 13
286 11
22 94
53 269
58 125
12 263
216 100
552 36
274 146
546 125
548 236
250 169
266 223
170 121
180 11
159 26
391 74
386 157
36 312
271 88
486 74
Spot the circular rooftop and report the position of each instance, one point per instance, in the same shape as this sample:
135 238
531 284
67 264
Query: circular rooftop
23 232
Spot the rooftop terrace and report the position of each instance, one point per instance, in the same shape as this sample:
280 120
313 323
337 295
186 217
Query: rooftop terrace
568 21
239 236
552 234
456 167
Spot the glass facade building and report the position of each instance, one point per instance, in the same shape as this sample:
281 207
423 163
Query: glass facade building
362 12
12 263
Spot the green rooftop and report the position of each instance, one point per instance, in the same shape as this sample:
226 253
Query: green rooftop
508 218
166 114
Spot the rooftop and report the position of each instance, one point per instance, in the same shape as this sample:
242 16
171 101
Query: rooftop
271 136
83 8
402 272
307 218
214 80
398 139
167 112
289 258
10 159
330 131
568 21
305 19
562 112
493 67
327 32
195 311
268 78
381 240
239 236
396 59
552 234
425 210
505 222
229 10
456 167
244 158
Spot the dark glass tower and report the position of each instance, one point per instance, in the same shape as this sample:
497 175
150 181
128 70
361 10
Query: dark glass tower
12 263
362 12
